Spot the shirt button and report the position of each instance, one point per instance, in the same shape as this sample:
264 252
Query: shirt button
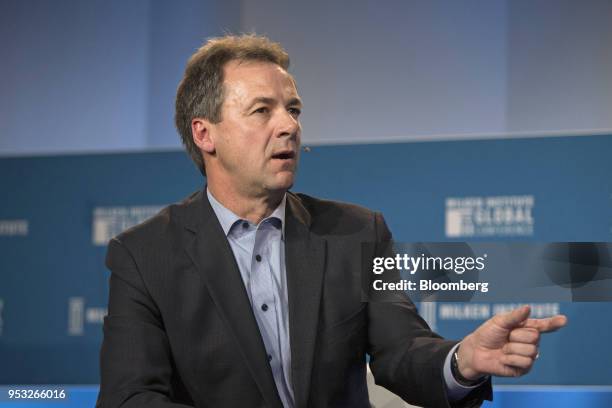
258 258
269 357
245 225
264 307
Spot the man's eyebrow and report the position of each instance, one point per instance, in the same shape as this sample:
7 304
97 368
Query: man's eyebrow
262 99
295 101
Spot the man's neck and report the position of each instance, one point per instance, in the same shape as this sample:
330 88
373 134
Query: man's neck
252 208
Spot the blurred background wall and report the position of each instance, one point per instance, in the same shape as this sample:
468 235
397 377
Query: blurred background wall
101 75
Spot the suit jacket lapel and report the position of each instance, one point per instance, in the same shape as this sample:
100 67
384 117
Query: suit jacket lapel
305 259
214 259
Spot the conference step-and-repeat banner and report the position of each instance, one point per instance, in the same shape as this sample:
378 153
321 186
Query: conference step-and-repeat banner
57 214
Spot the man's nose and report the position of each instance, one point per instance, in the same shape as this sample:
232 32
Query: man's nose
289 125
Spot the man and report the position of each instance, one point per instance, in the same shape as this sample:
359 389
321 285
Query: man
247 295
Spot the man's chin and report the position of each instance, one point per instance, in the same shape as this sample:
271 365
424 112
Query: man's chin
281 183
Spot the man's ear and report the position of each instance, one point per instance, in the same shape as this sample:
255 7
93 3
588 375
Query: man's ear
201 132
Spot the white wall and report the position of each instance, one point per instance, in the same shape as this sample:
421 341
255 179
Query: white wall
73 75
394 69
97 75
560 65
101 75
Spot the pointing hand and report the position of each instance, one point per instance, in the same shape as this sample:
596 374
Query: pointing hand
505 345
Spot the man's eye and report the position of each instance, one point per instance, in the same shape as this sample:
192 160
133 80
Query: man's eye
295 111
263 109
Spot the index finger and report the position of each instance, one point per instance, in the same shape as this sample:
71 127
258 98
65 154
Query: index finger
547 325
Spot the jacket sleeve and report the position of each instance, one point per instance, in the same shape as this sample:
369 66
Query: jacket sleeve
136 366
406 357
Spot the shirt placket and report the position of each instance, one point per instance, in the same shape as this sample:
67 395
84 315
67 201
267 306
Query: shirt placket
262 295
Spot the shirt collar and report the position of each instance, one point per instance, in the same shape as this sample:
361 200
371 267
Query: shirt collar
227 218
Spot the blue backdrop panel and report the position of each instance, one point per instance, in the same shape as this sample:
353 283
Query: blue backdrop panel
57 212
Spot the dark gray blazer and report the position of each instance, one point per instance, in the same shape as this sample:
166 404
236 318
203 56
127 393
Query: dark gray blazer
180 330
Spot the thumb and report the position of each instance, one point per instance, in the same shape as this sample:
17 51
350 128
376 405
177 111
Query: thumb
514 318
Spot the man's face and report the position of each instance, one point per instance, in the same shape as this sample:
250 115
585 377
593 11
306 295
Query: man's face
257 142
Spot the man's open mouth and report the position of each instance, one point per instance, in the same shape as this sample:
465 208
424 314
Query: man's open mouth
284 155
